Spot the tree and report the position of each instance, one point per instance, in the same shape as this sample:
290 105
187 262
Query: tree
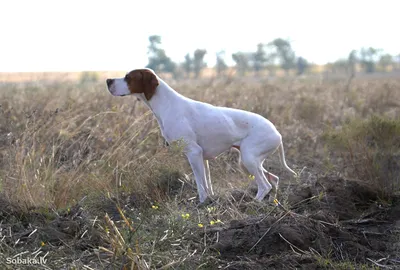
259 58
170 67
368 60
198 61
188 64
302 65
242 62
221 66
352 61
153 52
270 63
284 52
385 61
158 59
154 40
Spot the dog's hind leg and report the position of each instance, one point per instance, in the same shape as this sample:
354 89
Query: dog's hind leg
210 190
252 162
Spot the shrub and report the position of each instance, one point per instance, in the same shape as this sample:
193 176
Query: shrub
309 109
370 151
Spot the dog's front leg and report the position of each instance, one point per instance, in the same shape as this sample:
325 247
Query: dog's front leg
194 154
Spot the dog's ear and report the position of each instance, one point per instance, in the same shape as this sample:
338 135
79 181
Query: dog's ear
150 83
142 81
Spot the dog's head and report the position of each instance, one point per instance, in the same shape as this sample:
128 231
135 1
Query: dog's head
138 82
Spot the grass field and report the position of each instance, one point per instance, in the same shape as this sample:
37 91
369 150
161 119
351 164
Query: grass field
86 182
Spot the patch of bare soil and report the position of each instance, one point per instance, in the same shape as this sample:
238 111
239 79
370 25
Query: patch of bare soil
331 221
68 234
335 218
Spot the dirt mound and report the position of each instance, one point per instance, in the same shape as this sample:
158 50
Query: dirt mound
72 230
334 218
327 223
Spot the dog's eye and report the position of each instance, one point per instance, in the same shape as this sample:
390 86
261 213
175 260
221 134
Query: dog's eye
126 78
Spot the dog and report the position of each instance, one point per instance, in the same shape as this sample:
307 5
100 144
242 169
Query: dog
207 130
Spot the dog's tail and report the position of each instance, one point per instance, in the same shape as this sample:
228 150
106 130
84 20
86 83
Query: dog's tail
282 159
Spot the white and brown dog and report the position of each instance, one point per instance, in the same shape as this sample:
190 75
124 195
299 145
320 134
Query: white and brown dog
206 129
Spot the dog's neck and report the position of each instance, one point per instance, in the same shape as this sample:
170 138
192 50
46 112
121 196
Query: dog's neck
162 101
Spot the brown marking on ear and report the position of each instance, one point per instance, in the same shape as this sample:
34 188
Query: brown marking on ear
142 81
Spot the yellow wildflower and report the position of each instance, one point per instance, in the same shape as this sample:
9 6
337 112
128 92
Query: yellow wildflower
185 216
212 222
211 209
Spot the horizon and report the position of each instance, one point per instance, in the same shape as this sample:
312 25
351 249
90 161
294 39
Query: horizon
45 36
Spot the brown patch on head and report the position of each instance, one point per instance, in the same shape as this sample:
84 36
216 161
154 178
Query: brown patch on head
142 81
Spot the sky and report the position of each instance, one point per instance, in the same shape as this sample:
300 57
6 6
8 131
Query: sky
53 35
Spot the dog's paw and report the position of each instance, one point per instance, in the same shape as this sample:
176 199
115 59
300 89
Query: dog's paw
206 202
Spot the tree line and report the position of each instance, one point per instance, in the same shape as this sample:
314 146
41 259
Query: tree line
271 56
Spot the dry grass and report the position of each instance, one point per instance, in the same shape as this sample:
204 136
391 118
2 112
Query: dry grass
370 151
70 153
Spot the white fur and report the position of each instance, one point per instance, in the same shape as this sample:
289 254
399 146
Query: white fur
119 88
209 130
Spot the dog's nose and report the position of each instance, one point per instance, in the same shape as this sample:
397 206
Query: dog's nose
109 82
